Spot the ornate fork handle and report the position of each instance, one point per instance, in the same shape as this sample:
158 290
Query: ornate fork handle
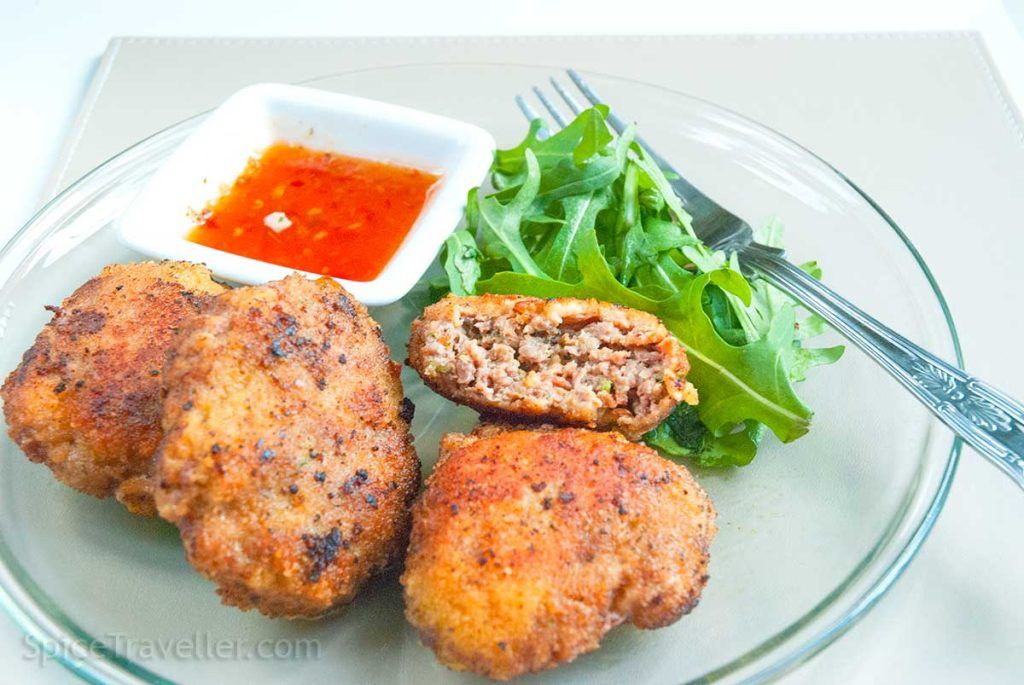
988 420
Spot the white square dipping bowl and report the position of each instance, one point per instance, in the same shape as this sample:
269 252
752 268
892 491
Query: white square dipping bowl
208 162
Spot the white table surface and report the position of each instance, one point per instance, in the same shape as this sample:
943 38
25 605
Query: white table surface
942 620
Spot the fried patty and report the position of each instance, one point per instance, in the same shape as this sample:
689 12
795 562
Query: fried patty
528 546
85 399
287 463
574 362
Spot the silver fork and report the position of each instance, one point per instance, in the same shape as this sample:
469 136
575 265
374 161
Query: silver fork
988 420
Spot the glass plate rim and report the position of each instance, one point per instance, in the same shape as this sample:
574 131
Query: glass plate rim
28 615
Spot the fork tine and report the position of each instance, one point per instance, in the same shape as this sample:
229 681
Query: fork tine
616 123
550 107
529 112
566 96
531 115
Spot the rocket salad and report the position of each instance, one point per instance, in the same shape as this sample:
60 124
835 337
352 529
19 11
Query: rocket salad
583 213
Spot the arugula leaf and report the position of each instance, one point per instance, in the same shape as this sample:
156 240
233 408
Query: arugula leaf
802 359
683 435
509 164
664 235
558 258
811 327
565 178
636 250
499 225
661 184
595 134
461 262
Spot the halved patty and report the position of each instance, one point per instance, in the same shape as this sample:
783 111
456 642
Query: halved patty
287 463
85 399
576 362
529 545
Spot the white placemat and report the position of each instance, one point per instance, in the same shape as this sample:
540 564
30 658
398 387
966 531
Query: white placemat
920 121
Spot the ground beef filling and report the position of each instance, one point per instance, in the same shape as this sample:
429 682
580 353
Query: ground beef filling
582 368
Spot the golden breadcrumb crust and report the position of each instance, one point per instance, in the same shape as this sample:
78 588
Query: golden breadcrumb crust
287 465
86 398
528 546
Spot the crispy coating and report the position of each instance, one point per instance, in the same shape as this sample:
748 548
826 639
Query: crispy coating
86 398
287 464
528 546
574 362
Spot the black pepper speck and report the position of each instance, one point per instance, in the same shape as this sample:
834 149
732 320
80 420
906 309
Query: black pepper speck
276 349
407 410
345 305
322 551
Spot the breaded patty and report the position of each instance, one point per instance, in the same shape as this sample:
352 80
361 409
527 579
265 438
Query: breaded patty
575 362
528 546
287 464
85 399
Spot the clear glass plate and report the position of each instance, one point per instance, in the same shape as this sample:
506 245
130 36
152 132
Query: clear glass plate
811 534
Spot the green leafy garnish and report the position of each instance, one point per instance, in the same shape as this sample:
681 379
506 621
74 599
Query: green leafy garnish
585 214
461 261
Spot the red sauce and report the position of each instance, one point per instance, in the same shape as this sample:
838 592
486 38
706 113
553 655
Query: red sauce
316 211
